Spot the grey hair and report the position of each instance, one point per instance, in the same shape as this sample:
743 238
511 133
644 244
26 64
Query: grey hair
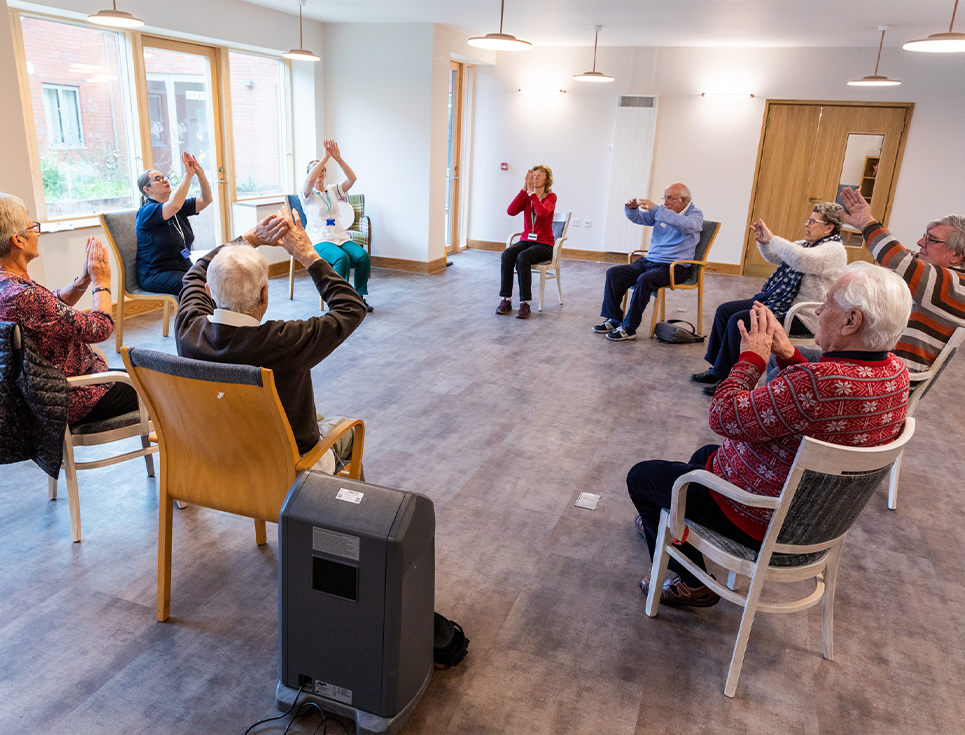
833 214
882 297
956 241
236 276
685 191
144 180
14 220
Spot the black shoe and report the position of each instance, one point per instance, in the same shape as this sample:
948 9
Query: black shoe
608 326
709 390
368 308
708 376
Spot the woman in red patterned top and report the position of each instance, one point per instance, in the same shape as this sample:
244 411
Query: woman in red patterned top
856 395
537 202
61 334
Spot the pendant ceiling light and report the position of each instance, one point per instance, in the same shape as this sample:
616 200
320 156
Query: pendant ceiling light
300 53
115 18
940 43
874 80
593 76
500 41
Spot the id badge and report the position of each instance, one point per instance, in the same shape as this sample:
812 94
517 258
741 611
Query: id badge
330 222
532 236
186 253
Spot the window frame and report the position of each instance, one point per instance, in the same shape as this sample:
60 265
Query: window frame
63 144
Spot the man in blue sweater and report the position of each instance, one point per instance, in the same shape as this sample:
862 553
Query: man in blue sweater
676 230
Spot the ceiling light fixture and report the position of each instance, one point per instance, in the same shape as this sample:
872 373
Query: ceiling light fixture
115 18
727 94
940 43
593 76
500 41
540 91
874 80
300 53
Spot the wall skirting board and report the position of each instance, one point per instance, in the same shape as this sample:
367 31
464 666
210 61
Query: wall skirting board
729 269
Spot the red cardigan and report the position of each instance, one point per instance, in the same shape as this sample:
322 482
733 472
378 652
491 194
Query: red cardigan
541 211
839 400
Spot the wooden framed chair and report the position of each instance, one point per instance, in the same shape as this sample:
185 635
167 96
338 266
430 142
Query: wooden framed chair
826 490
225 443
88 433
695 281
561 225
121 232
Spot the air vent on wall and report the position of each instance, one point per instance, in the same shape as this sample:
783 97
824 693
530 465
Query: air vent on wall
635 101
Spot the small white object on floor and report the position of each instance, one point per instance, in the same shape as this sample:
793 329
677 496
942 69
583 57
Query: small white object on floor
588 501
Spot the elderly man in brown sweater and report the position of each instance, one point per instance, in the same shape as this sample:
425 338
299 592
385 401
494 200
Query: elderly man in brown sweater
223 301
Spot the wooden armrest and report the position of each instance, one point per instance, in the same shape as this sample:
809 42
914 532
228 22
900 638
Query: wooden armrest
111 376
328 441
638 253
678 498
673 281
509 240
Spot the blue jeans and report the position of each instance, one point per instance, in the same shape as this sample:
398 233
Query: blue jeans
346 256
645 277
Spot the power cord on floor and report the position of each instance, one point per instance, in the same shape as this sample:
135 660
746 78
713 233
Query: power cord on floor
283 714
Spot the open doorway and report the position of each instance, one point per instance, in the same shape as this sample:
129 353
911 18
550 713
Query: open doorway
457 104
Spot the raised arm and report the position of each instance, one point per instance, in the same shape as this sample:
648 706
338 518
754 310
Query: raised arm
173 205
205 199
312 176
331 151
690 220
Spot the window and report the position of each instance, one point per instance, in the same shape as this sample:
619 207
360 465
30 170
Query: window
82 113
259 124
62 110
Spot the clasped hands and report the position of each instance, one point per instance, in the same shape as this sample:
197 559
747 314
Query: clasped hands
282 230
765 335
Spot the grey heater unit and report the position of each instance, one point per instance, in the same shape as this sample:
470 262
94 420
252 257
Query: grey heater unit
355 599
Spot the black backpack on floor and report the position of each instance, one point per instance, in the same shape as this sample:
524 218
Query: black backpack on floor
670 332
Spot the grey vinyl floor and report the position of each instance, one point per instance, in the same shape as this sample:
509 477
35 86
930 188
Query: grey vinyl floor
502 423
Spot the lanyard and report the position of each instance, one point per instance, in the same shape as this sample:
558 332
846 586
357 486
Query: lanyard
177 226
328 199
532 215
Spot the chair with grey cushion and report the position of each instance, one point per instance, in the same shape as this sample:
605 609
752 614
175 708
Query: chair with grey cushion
121 229
826 489
561 225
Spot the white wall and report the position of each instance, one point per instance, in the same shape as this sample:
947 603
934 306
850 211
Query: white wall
709 144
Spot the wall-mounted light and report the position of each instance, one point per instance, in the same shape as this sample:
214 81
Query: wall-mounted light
744 95
594 76
300 53
542 91
115 18
874 80
500 41
940 43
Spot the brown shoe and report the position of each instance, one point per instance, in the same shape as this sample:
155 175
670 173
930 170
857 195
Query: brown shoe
677 594
523 312
505 307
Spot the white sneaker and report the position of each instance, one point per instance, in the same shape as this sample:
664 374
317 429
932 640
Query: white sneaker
620 334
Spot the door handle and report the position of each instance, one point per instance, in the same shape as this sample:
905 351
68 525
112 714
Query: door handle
225 181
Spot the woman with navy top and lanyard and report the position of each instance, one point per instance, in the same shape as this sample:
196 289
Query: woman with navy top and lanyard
320 203
537 203
164 234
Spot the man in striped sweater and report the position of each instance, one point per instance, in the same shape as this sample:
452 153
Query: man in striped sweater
934 275
856 395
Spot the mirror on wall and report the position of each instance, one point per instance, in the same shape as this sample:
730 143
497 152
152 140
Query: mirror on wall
860 168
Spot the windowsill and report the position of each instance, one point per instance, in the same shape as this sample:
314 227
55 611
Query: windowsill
267 199
81 223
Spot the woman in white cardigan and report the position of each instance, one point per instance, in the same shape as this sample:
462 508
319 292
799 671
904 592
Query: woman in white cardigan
806 269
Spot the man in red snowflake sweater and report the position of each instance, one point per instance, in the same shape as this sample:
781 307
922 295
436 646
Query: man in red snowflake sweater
855 395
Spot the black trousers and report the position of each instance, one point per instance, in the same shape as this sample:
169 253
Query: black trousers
164 282
120 399
522 256
724 343
649 485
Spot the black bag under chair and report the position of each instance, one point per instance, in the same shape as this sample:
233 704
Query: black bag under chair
672 332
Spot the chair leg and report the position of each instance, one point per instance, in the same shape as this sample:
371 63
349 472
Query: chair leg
893 483
291 278
747 620
52 488
261 536
662 298
700 310
73 497
164 538
653 316
148 458
658 570
827 601
119 323
542 286
167 318
559 285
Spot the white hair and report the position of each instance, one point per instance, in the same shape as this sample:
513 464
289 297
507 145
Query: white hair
236 276
14 220
882 297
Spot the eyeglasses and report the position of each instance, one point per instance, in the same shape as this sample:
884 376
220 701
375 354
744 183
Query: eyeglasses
932 240
673 199
159 178
812 221
35 227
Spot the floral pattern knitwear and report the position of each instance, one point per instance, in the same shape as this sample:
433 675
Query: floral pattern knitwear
841 401
61 334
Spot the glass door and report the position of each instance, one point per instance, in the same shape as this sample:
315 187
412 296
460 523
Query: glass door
180 90
456 76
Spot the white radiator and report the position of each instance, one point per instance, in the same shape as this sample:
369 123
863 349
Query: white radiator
632 158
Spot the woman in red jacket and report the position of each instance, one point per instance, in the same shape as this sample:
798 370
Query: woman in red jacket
537 203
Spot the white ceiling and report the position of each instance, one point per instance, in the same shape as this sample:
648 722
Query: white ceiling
830 23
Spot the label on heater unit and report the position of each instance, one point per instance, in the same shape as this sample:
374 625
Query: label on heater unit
330 691
335 543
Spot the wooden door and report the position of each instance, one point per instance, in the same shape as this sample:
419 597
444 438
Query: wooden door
800 163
